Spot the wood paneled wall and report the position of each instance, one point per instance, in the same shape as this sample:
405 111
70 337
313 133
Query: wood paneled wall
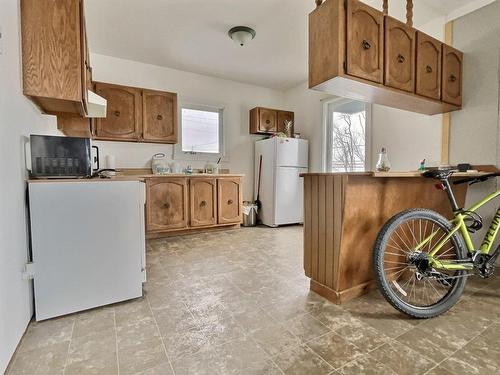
343 214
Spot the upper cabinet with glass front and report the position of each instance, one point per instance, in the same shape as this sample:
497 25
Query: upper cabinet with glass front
358 52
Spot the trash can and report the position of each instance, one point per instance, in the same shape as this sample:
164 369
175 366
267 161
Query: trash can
249 214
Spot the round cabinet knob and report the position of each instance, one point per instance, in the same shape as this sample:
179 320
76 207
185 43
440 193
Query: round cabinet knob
366 44
428 69
117 113
166 205
452 78
203 203
230 201
159 117
401 59
268 122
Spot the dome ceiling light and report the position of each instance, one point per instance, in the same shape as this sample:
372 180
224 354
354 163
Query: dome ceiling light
241 34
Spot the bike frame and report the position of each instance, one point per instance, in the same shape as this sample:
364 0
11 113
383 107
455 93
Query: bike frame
459 225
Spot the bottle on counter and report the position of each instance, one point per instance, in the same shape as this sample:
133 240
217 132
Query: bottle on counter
383 163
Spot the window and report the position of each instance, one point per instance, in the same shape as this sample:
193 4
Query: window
346 138
201 132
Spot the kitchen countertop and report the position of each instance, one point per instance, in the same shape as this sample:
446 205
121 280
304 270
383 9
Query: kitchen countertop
139 176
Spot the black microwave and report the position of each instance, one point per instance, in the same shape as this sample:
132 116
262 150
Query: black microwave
58 157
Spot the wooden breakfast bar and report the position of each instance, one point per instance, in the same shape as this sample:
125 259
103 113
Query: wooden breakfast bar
343 213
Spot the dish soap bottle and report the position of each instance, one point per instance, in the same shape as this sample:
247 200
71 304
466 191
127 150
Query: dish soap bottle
383 164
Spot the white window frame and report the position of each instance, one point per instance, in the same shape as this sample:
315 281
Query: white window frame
327 124
179 154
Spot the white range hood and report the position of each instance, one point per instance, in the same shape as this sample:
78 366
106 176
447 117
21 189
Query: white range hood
96 105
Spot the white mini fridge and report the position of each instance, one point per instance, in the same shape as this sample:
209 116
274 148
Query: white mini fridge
88 244
281 187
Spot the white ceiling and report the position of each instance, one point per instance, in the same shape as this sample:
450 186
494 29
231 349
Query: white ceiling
191 35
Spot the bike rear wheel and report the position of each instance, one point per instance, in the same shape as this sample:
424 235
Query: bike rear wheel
404 275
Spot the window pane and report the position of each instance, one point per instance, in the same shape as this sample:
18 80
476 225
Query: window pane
200 131
348 137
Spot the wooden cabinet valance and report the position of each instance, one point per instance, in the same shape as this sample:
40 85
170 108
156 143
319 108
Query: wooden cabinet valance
358 52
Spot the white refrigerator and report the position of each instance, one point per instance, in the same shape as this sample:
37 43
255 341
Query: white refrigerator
281 187
88 244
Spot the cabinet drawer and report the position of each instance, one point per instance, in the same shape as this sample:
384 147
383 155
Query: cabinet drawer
399 55
365 41
452 75
428 66
229 197
203 198
166 204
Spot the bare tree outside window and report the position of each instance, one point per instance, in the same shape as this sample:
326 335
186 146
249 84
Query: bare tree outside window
348 142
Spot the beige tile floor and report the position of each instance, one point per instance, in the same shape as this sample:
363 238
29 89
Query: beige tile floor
237 303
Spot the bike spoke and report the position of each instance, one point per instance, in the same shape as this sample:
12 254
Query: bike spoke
417 286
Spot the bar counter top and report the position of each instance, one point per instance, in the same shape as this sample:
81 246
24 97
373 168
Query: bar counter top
393 174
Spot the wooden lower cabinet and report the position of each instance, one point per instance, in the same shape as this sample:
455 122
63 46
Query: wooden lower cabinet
167 204
229 198
203 198
184 204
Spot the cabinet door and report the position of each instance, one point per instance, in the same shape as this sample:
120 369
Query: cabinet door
268 120
452 75
123 118
282 117
365 41
203 198
399 55
159 116
229 199
166 204
428 66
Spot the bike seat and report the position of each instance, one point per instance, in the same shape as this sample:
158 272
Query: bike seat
438 174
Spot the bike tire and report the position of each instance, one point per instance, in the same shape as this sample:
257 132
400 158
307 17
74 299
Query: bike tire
383 237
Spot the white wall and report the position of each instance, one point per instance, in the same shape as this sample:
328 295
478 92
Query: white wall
474 130
236 98
18 118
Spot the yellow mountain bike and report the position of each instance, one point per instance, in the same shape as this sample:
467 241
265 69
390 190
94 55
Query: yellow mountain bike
422 260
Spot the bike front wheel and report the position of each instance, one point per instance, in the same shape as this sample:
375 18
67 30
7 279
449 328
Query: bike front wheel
402 270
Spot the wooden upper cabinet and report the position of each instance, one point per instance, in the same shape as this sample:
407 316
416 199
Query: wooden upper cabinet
124 116
203 198
365 41
400 55
159 116
166 204
428 81
268 121
53 54
282 117
452 75
229 199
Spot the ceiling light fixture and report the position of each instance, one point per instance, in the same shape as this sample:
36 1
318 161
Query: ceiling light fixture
241 34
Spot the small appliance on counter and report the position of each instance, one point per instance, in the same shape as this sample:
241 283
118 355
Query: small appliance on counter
62 157
159 164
